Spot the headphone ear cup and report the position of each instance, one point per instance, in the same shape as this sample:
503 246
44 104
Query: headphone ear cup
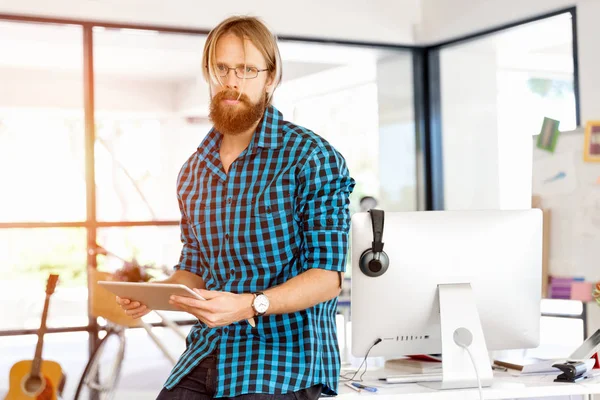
372 266
363 263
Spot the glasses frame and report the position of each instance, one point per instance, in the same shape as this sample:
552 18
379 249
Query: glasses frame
236 72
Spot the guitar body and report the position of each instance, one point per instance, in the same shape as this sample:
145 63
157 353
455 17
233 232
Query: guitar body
23 387
37 379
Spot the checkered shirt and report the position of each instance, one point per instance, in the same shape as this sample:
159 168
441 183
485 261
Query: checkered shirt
282 209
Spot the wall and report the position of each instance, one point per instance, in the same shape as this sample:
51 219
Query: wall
396 156
375 21
469 103
573 201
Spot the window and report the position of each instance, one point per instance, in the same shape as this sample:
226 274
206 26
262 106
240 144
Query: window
27 257
360 99
151 113
41 123
496 91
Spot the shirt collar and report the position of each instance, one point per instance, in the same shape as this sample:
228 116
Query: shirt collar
267 134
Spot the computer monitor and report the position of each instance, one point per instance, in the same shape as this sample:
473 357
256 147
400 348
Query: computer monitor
479 270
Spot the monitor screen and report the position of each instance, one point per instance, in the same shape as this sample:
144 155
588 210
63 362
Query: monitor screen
498 253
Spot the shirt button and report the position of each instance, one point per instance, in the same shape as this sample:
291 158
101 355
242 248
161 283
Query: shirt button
227 236
229 200
226 330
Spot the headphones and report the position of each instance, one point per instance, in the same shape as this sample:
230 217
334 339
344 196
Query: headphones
374 262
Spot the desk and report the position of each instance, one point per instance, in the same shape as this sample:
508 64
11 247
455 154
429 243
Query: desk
505 386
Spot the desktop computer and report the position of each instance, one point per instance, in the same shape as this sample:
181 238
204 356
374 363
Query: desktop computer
459 283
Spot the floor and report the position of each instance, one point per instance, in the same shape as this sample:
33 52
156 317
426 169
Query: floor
145 368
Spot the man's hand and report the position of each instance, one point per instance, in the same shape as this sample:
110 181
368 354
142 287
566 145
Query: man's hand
133 309
219 308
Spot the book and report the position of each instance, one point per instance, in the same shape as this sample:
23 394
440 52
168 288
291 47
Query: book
413 365
427 357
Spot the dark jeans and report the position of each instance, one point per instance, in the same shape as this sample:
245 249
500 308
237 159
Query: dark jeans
200 384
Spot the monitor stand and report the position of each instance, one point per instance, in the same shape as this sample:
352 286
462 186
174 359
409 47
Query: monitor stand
458 316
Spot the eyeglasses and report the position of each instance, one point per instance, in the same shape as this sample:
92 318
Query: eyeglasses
242 72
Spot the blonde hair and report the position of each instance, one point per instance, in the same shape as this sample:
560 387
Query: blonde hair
243 27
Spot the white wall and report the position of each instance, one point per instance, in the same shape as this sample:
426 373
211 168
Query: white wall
469 127
447 19
388 21
396 157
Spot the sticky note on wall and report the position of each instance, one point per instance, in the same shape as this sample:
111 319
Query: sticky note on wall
582 291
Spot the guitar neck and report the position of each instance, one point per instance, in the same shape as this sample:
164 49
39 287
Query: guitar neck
37 359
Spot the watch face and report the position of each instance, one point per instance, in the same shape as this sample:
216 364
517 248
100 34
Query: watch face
261 303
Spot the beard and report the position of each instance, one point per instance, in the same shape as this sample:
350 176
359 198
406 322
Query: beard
235 119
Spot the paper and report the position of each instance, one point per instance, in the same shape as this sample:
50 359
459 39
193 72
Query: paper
537 365
554 175
587 218
582 291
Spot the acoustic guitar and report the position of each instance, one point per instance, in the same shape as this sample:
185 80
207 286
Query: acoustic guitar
37 379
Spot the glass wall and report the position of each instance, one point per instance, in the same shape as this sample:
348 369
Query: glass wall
361 100
151 113
41 123
27 256
43 172
495 92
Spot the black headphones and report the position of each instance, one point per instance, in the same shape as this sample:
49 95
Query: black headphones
374 262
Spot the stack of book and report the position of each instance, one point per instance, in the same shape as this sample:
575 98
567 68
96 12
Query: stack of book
560 288
423 364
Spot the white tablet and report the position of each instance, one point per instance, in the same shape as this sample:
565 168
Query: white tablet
155 296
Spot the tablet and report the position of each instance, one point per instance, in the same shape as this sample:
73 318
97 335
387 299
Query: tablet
155 296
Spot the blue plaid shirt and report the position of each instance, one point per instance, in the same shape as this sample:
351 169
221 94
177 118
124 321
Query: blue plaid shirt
281 210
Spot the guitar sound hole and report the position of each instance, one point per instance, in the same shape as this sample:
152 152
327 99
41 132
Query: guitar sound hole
33 384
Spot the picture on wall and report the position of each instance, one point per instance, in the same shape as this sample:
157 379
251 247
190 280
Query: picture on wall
548 135
591 150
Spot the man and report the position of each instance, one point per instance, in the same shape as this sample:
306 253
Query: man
264 225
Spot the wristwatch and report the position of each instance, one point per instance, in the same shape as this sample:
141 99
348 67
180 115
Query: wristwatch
260 304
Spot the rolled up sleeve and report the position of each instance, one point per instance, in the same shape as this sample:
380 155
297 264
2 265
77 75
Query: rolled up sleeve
189 260
324 188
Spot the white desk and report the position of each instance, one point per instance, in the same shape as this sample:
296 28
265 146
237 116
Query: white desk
505 386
